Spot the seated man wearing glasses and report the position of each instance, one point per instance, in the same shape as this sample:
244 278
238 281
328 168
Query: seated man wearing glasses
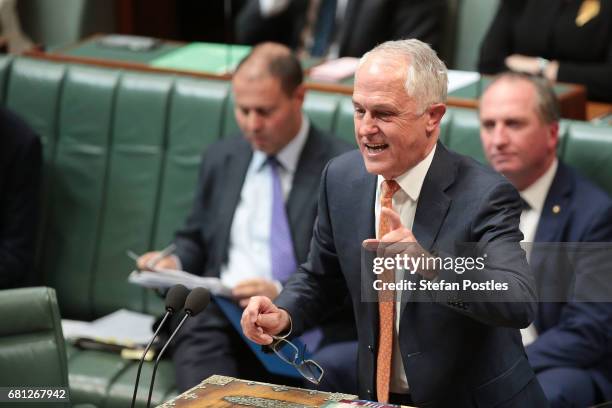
253 214
432 347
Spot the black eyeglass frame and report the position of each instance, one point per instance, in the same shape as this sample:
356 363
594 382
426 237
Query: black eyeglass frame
302 367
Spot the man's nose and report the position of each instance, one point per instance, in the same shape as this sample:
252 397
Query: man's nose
499 135
366 125
254 121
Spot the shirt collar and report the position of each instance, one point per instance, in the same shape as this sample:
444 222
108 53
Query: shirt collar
536 193
412 180
289 155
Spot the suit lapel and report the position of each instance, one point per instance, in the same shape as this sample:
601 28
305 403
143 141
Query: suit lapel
433 203
555 211
236 166
305 182
365 186
554 218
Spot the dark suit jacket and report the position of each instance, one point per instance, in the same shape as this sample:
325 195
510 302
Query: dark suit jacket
572 334
547 28
202 245
20 167
366 24
455 353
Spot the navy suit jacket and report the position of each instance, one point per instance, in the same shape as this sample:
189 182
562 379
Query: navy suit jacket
202 244
20 168
455 353
572 334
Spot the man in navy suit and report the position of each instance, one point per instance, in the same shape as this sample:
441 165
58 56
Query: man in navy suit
570 343
231 230
20 173
451 347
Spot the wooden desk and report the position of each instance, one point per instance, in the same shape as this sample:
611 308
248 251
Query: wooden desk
221 391
571 96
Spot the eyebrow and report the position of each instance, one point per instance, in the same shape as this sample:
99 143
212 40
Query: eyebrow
385 107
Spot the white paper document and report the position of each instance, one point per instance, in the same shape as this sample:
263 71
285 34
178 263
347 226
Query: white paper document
165 278
459 79
335 70
121 327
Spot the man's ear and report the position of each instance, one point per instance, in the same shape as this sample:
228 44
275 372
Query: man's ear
299 94
435 113
553 136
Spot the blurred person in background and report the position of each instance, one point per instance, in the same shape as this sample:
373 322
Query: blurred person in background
565 41
20 173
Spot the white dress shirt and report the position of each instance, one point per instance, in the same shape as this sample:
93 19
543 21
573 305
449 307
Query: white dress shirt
405 203
534 195
249 242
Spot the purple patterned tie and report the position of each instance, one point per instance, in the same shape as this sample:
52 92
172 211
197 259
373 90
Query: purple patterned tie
281 245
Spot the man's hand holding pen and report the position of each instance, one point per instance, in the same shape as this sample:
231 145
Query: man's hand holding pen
154 260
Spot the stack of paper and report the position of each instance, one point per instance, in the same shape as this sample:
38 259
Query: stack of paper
122 327
166 278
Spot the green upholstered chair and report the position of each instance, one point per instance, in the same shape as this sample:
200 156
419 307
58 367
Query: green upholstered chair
463 135
589 149
31 343
321 108
344 127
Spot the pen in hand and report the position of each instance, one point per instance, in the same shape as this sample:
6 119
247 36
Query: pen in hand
161 255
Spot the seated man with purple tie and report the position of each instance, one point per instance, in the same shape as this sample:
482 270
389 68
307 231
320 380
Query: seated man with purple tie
253 214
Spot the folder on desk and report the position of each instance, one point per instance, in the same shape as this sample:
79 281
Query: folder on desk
271 361
203 57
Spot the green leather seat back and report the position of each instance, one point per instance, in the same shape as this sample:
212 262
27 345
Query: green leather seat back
33 92
564 128
445 125
589 150
463 134
77 192
344 127
321 108
132 187
195 121
5 64
31 343
230 126
196 118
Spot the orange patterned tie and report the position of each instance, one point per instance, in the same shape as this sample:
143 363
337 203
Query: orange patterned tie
386 303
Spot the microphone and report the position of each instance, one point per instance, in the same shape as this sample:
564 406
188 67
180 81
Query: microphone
175 299
196 302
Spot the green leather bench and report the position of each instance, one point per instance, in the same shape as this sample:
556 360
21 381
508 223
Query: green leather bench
121 156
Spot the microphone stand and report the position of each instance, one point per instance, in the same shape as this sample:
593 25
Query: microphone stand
187 314
144 354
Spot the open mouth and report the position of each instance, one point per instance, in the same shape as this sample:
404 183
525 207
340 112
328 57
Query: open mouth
376 147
